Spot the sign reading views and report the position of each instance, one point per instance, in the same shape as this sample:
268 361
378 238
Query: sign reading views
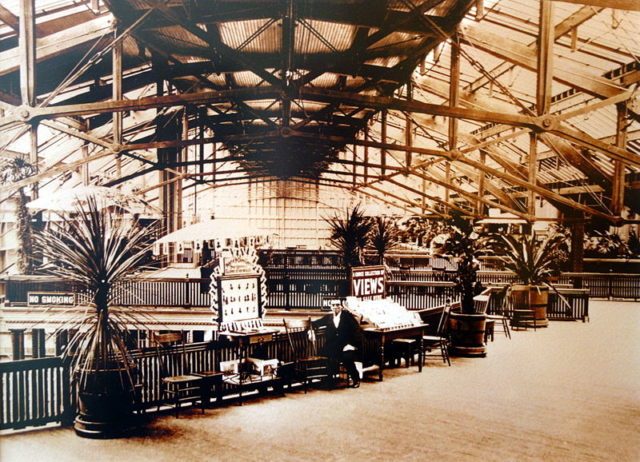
368 281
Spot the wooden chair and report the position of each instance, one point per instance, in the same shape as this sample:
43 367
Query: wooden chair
177 384
308 365
498 318
440 340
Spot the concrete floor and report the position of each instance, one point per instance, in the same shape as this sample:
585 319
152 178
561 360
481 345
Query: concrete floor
569 392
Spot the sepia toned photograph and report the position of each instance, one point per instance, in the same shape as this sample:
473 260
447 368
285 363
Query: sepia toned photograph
319 230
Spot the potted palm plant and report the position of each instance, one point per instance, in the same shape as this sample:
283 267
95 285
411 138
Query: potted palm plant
350 235
95 250
384 236
466 326
534 263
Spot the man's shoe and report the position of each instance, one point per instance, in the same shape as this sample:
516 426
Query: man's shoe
355 384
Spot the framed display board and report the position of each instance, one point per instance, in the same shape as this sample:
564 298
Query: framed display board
239 298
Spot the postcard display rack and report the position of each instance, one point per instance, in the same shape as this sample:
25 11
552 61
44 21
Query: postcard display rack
383 319
369 303
238 296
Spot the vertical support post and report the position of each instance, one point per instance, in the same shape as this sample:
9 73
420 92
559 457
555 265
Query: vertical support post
85 174
545 57
543 88
38 343
447 180
480 207
454 86
617 189
355 166
479 9
366 156
116 78
27 46
62 340
532 173
423 199
577 247
383 135
17 344
407 131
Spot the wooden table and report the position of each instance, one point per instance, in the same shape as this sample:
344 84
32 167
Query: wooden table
242 341
382 336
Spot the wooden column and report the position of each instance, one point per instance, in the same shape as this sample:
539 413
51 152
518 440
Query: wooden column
38 343
454 87
408 139
577 247
532 173
545 57
543 90
617 189
480 208
454 100
366 155
17 344
383 135
27 46
85 174
116 72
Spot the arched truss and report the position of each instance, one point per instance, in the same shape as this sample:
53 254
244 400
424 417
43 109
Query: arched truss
428 105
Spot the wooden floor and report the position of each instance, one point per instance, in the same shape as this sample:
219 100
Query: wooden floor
569 392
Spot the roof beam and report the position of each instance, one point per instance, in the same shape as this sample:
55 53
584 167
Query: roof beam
567 72
60 42
632 5
570 22
9 18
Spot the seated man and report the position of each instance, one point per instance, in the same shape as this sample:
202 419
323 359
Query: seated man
343 340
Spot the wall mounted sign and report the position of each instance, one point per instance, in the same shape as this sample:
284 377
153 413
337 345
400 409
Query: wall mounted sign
368 282
51 299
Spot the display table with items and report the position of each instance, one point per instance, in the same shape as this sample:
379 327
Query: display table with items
382 322
247 372
238 296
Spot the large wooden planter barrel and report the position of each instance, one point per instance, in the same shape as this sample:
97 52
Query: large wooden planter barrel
467 334
105 405
534 298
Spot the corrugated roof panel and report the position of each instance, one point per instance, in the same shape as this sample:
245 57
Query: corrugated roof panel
321 37
241 33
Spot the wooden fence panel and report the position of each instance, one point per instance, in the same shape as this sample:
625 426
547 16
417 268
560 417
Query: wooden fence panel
34 392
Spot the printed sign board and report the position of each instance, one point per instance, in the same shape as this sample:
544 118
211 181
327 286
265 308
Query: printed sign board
51 299
368 282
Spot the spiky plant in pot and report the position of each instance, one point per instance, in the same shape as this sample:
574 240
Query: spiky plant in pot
533 262
384 236
96 250
350 235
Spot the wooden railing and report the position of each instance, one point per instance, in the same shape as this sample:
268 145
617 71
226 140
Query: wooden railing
566 304
35 392
305 288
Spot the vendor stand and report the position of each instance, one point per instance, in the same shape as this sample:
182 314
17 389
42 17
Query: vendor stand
382 320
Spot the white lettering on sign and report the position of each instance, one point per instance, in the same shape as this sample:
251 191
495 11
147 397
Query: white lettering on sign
367 282
51 299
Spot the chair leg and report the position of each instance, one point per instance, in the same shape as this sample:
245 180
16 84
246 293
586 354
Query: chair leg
505 326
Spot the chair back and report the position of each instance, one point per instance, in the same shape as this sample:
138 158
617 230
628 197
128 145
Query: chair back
301 342
480 303
163 342
444 318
